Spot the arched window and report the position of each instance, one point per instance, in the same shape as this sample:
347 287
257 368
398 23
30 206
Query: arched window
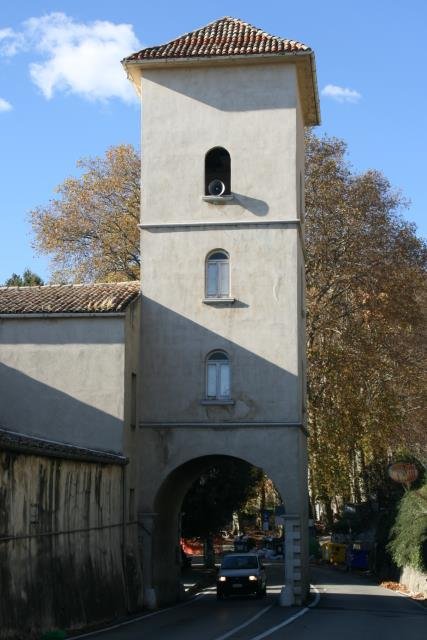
218 376
217 274
217 172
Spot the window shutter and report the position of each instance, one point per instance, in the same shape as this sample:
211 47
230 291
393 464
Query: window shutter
224 380
223 279
212 284
211 382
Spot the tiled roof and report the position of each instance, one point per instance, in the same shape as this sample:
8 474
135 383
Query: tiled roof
35 445
224 37
68 298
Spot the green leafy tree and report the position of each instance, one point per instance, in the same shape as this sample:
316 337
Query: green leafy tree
28 279
408 545
209 504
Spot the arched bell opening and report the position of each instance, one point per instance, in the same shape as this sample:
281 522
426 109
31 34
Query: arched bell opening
217 172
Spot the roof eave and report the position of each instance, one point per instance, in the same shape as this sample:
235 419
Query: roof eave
134 70
209 60
15 315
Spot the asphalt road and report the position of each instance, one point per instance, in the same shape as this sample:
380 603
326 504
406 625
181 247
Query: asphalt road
349 607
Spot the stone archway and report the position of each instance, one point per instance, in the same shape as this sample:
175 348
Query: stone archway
170 470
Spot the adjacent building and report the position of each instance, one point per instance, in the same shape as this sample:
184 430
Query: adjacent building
69 362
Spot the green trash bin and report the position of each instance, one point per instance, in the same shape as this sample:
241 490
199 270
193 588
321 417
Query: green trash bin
55 634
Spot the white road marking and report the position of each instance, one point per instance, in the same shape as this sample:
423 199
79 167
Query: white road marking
268 632
139 618
316 597
245 624
199 595
272 629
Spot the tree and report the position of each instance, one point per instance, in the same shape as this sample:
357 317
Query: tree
365 290
91 230
366 302
408 544
28 279
209 505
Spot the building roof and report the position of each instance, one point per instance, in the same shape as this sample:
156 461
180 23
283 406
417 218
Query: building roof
224 37
99 298
36 445
231 41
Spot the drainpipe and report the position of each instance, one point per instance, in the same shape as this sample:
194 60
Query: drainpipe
124 536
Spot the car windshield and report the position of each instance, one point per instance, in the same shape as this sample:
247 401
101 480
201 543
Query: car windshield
240 562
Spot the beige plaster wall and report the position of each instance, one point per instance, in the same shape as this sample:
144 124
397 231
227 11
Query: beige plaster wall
260 330
253 111
64 379
249 110
131 436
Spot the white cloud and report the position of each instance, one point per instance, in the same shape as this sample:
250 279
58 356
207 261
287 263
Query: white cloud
341 94
78 58
10 42
5 105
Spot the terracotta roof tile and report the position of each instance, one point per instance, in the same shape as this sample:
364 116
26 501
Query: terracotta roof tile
224 37
68 298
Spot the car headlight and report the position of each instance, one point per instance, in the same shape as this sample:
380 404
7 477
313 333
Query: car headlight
252 578
222 579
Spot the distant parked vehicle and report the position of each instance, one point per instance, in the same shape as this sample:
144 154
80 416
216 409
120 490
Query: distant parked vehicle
243 544
241 574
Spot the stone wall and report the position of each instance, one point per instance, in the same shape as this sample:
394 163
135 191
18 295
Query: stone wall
66 560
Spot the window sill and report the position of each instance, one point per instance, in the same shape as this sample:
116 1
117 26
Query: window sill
217 402
218 199
218 300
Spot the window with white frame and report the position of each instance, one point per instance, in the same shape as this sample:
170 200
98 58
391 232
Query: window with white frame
218 275
218 376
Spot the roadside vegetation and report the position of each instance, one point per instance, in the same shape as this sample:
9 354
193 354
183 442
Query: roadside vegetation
408 545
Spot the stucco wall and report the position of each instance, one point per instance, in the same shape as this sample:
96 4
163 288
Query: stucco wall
260 330
253 111
249 110
132 395
61 534
64 379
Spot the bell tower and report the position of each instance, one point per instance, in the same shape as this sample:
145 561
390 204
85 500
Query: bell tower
222 240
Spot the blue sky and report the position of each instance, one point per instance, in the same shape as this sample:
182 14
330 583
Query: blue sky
63 94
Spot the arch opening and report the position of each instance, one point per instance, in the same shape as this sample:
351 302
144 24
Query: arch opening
204 508
217 172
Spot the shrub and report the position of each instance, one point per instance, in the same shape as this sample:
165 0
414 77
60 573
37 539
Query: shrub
409 533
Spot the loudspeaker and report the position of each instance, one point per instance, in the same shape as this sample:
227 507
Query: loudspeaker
216 187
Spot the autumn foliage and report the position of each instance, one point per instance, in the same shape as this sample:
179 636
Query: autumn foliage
90 230
366 298
366 304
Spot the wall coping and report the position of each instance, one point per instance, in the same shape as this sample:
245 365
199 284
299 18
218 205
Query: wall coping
35 445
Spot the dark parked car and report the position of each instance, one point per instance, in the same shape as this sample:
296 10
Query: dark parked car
241 573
